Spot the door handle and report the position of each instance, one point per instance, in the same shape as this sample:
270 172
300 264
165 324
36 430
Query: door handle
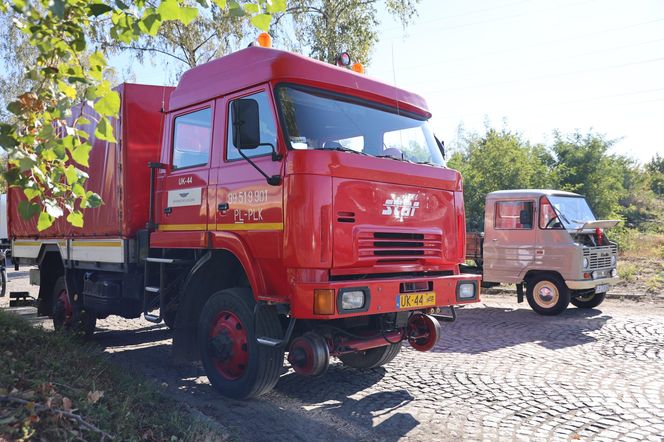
168 210
222 207
495 239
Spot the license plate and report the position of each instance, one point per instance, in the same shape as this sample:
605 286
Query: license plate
414 300
603 288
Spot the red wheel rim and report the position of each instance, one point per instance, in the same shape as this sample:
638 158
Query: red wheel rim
228 345
427 332
63 297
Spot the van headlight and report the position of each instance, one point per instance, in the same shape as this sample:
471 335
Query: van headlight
585 263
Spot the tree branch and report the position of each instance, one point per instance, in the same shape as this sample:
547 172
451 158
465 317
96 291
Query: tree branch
40 408
147 49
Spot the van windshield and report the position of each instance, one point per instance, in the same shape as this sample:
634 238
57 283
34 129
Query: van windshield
572 211
317 120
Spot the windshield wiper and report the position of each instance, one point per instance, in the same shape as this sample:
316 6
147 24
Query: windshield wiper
342 149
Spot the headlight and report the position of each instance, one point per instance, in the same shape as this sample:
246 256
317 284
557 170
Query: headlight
585 263
613 261
352 300
466 290
614 273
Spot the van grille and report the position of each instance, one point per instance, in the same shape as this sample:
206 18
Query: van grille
600 257
398 246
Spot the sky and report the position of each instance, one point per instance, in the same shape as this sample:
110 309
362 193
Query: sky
531 66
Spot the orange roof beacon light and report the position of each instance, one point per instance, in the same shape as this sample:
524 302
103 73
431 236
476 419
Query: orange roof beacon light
358 67
264 40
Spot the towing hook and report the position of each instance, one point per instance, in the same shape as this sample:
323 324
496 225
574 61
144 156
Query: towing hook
423 331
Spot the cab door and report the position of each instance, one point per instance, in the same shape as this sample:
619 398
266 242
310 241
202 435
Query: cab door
246 203
182 196
509 240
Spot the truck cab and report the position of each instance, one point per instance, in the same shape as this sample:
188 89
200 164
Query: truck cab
549 241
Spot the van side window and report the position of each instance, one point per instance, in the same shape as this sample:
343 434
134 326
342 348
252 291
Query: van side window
514 215
548 218
267 126
191 139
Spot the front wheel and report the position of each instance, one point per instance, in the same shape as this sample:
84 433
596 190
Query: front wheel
236 365
374 357
547 295
588 301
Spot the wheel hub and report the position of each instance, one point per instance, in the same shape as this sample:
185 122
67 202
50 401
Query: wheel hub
546 295
228 345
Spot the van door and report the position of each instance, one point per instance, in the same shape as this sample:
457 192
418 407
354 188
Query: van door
246 203
509 242
182 187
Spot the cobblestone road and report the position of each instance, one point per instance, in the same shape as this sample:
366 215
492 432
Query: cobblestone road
501 372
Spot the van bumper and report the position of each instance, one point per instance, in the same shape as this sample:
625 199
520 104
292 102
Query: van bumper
587 284
382 295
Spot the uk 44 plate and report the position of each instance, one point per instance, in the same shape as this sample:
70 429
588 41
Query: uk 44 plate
416 300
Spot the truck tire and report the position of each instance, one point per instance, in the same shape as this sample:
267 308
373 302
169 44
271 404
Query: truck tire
547 294
374 357
70 318
588 301
236 365
3 281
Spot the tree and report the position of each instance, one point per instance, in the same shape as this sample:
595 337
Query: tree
47 153
498 160
326 27
655 170
585 166
213 33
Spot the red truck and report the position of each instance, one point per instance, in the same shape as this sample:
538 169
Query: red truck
268 203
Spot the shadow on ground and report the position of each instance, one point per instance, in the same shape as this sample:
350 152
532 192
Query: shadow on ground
486 329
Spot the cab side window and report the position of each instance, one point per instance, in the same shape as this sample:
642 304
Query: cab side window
514 215
268 129
191 139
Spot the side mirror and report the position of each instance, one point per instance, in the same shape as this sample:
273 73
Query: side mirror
524 217
246 126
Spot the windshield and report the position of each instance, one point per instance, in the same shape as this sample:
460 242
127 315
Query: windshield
573 212
315 120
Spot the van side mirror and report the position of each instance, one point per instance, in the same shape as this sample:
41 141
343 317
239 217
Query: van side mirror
524 217
246 126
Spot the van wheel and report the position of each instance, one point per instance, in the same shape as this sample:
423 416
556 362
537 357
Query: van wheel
236 365
547 295
374 357
68 317
588 301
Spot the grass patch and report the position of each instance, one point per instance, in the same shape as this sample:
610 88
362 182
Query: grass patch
654 284
627 271
54 388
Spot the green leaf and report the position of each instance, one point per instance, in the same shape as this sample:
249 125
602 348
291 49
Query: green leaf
30 194
121 5
81 154
8 141
94 200
236 11
104 130
45 221
78 190
98 9
71 175
109 104
188 14
27 210
251 8
15 107
151 24
58 8
169 10
261 21
276 6
69 91
75 218
220 3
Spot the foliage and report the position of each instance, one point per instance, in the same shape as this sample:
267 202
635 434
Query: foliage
627 271
53 373
47 152
655 170
327 27
497 160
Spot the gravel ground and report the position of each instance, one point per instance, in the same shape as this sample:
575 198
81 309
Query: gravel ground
500 372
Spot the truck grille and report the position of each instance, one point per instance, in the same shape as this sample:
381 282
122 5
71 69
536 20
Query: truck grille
398 246
600 257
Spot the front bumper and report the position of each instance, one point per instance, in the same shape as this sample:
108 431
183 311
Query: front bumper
587 284
382 297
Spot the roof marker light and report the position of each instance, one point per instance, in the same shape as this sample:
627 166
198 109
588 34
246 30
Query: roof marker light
343 60
264 40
